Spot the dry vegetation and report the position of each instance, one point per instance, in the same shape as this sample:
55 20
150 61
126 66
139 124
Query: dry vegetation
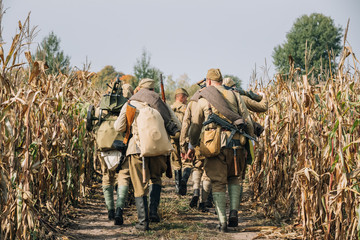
307 163
46 159
306 168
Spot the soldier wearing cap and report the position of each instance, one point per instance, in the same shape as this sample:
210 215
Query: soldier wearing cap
111 179
225 167
154 166
178 163
253 106
198 174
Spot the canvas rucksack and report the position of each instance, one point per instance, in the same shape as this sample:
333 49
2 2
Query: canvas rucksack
153 138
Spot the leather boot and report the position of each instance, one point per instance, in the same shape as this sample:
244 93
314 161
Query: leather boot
111 214
202 207
183 182
195 198
155 191
177 181
233 218
209 201
119 220
222 227
142 210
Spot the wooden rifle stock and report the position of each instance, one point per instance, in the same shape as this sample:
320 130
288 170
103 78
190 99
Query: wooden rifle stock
168 162
143 170
130 116
162 89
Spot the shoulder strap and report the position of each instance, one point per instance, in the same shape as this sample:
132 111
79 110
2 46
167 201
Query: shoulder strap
216 99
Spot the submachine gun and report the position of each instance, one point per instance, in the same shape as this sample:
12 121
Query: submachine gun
213 118
110 105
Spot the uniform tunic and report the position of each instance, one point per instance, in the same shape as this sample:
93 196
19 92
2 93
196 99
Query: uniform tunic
154 166
221 169
176 161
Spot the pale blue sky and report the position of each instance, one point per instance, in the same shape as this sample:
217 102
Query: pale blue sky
188 36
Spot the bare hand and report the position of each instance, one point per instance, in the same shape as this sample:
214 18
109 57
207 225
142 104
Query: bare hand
190 154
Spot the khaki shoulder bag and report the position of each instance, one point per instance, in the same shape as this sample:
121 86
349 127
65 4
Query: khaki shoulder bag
210 144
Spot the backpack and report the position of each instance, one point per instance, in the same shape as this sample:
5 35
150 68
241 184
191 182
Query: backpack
153 138
106 135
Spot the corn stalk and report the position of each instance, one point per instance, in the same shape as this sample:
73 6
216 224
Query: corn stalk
308 159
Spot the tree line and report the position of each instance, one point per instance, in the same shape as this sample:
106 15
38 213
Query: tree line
312 45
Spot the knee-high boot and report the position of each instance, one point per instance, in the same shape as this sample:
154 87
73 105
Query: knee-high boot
155 191
177 181
143 216
184 180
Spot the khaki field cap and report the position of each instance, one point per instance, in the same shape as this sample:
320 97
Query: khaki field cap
214 74
228 82
181 90
147 83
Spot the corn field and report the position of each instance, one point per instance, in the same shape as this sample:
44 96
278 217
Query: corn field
307 163
306 167
46 155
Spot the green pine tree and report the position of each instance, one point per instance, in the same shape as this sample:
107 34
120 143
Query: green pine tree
50 52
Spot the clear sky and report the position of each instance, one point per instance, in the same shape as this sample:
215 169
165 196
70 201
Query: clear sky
187 36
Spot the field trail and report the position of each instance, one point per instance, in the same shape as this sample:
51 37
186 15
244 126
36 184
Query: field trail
179 221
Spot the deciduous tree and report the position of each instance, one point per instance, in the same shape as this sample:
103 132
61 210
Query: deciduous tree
317 35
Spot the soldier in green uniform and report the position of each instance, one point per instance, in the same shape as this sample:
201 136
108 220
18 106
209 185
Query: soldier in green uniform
153 167
221 147
177 162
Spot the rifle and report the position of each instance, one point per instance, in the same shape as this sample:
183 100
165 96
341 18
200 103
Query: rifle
162 89
249 94
213 118
168 163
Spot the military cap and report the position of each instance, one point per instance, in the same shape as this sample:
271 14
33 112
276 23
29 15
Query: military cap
147 83
228 82
181 90
214 74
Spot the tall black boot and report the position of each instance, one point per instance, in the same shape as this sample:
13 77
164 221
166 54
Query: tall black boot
142 210
155 191
119 220
209 201
177 181
195 198
183 182
233 218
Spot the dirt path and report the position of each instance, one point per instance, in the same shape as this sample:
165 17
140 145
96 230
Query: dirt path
179 221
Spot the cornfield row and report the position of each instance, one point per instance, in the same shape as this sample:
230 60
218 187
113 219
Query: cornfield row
308 160
46 156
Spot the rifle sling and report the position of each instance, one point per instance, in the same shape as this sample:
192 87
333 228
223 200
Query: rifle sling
215 98
153 99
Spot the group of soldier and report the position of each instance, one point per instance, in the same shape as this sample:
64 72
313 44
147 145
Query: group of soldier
190 132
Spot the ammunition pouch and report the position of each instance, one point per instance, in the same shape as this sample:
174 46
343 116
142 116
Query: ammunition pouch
258 129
